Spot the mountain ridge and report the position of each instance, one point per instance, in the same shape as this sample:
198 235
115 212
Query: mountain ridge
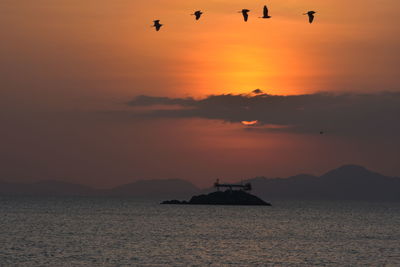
348 182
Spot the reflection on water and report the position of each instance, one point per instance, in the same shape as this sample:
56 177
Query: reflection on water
123 232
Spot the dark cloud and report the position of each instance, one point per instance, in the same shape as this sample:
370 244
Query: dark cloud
364 114
257 91
144 100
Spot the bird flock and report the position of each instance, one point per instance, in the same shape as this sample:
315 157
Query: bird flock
245 13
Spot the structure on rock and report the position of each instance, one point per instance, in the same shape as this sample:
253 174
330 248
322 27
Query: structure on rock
228 197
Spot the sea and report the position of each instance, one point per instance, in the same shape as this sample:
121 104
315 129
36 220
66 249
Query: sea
91 231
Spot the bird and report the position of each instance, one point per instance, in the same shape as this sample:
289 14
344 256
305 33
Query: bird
265 13
310 16
245 15
198 14
157 24
321 132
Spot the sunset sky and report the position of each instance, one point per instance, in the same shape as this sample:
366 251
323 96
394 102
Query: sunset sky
90 93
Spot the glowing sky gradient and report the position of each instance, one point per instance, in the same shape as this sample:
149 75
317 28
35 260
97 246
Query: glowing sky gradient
66 63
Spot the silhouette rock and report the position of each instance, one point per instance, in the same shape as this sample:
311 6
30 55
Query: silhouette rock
228 197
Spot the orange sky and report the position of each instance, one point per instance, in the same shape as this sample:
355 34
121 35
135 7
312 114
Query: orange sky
76 56
106 49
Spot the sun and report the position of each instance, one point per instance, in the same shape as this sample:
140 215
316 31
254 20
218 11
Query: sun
250 123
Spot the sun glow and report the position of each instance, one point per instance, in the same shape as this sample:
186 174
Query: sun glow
232 69
250 123
231 64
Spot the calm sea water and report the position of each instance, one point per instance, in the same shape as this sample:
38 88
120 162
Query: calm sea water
127 232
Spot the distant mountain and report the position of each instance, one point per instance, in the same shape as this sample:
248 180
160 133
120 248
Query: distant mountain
154 189
45 188
349 182
142 188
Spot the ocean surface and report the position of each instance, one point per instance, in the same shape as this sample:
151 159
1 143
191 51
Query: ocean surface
77 231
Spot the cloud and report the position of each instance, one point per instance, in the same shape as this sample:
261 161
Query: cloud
257 91
144 100
351 113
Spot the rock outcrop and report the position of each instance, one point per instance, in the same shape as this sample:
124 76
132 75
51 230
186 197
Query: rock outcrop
228 197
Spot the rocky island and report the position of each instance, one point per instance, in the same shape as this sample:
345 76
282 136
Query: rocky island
227 197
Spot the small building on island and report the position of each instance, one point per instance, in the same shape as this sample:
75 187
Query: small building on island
234 194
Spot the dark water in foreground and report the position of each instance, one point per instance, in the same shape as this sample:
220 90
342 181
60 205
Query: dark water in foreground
127 232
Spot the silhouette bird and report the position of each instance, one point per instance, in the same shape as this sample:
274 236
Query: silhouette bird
321 132
245 14
265 13
198 14
157 24
310 15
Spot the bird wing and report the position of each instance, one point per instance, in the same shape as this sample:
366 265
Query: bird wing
310 18
265 11
245 16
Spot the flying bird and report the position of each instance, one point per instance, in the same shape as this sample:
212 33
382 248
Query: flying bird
245 15
157 24
265 13
198 14
310 15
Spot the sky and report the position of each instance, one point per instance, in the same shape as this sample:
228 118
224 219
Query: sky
91 94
